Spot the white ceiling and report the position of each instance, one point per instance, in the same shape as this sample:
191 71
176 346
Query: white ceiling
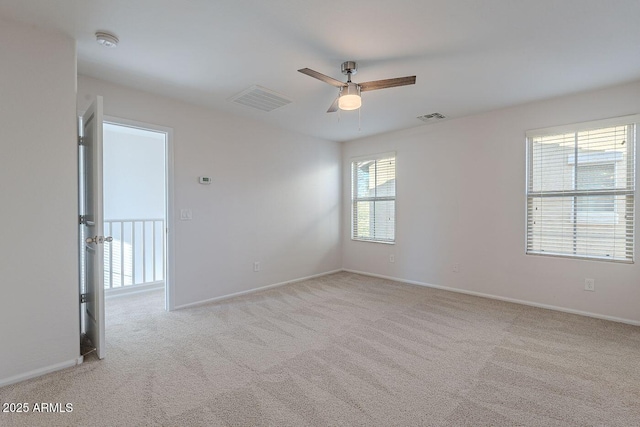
469 56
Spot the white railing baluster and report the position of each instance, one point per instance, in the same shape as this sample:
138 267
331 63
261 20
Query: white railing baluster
129 252
121 253
144 252
133 252
110 257
153 250
163 231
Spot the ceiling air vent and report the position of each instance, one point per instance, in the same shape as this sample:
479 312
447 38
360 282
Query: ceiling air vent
260 98
431 117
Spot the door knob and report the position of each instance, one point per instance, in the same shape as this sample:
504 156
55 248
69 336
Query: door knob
99 239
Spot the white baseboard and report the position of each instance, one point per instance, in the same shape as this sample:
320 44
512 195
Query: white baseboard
39 372
250 291
133 289
500 298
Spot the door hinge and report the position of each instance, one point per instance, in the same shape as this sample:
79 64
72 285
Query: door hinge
83 298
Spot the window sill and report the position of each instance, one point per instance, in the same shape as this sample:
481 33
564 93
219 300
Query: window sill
582 258
373 241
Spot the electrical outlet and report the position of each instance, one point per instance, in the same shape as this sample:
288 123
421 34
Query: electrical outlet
392 258
455 268
590 285
186 215
256 266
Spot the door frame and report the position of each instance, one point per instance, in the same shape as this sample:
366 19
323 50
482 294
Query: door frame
169 291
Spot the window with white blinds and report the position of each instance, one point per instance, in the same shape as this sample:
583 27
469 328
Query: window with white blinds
374 199
581 190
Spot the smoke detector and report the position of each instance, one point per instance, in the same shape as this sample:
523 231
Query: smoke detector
106 39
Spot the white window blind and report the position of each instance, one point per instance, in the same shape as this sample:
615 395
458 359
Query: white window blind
374 199
581 190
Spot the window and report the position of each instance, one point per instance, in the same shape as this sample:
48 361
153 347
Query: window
581 190
373 198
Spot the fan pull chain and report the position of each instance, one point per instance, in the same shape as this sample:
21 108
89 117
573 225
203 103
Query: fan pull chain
359 127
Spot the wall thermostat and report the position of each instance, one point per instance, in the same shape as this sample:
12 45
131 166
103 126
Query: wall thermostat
204 180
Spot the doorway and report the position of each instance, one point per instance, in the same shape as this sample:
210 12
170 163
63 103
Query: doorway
136 160
94 242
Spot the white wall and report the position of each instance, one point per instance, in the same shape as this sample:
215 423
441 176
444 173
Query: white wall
134 173
275 196
39 290
461 199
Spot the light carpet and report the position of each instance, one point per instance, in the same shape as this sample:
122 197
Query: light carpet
346 349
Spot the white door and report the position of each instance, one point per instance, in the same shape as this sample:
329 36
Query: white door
92 224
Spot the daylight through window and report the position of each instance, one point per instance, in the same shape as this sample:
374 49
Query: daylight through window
581 190
374 199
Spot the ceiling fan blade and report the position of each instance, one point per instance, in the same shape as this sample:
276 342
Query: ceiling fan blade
320 76
383 84
334 106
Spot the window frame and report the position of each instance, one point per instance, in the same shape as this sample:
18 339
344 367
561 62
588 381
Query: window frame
631 120
355 199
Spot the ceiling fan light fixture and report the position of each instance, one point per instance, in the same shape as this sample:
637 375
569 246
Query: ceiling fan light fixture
350 97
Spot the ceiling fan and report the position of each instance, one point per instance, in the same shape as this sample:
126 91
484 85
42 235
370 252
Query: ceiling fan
349 95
